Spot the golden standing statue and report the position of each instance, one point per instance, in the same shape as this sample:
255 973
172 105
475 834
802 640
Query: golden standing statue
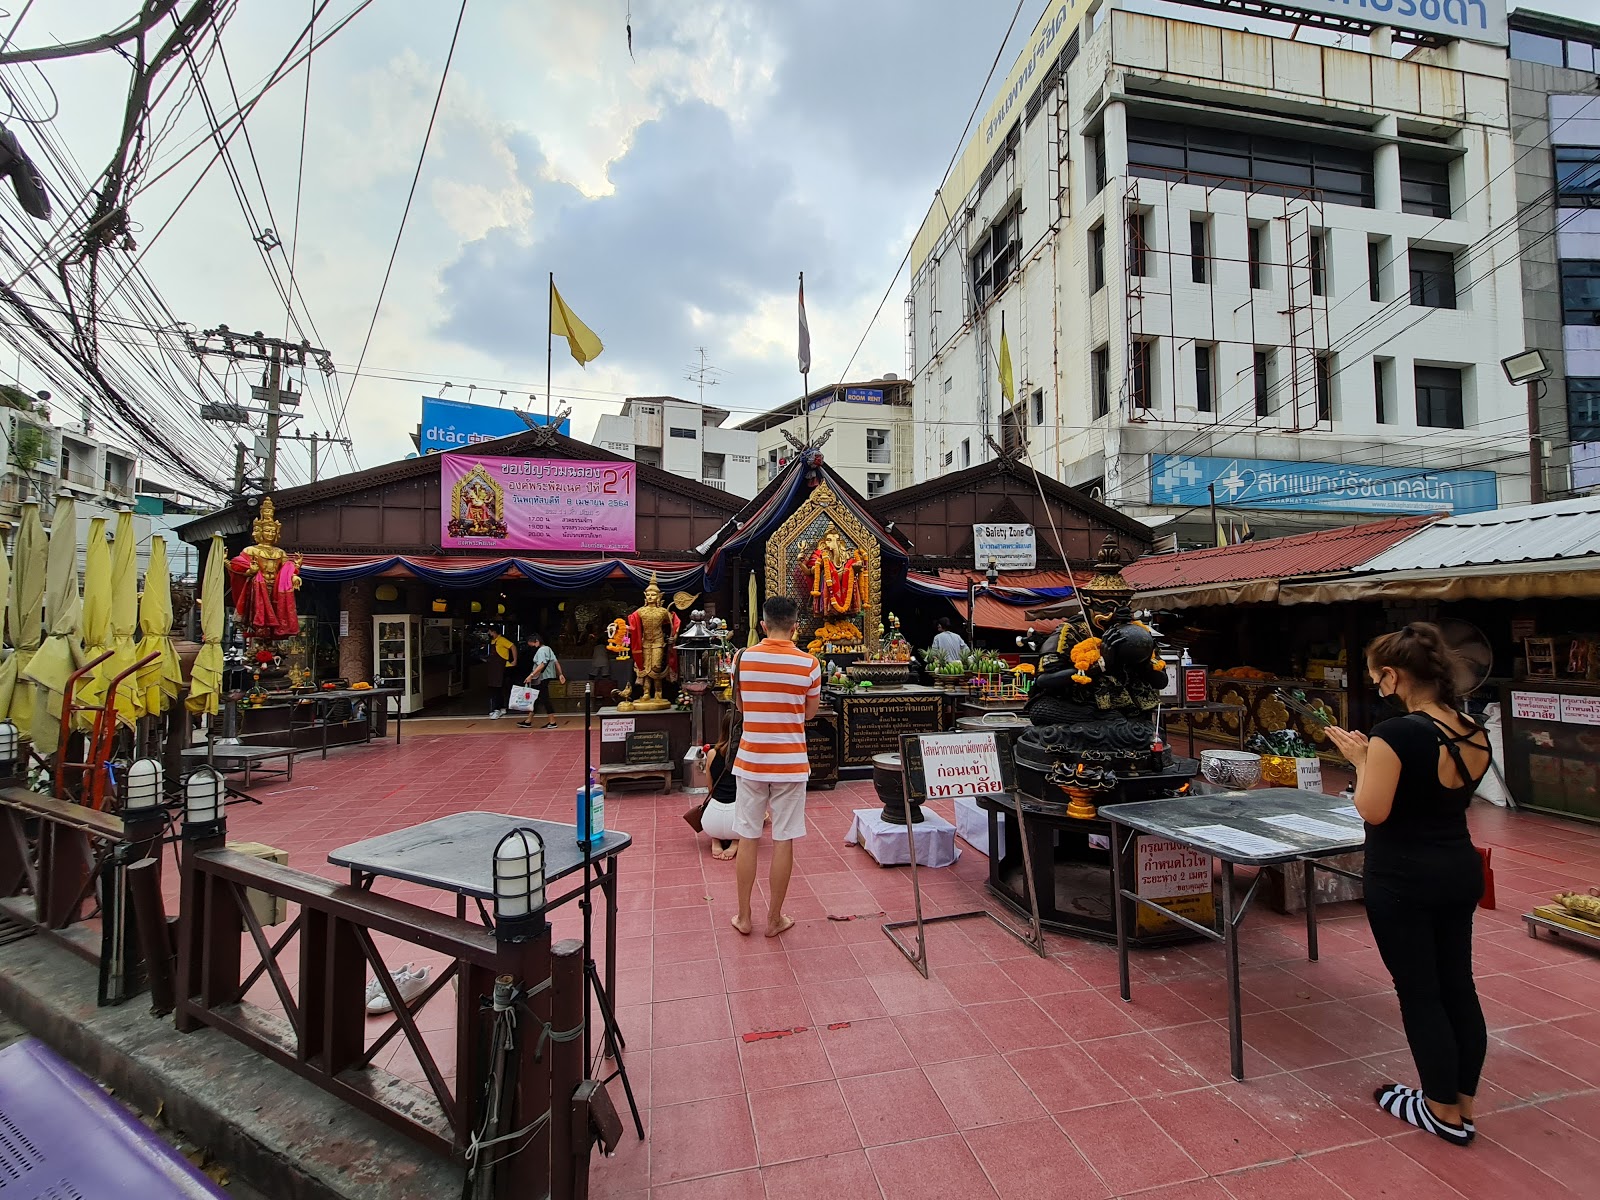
652 630
265 580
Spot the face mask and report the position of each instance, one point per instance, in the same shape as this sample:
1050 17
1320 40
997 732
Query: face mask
1393 703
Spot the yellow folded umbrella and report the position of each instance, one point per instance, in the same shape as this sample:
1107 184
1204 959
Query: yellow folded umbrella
96 627
8 658
124 620
160 681
205 678
61 653
26 607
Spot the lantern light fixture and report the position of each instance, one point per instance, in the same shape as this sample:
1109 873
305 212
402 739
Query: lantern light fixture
519 884
146 784
203 792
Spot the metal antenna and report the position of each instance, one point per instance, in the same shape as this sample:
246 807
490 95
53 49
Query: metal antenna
703 375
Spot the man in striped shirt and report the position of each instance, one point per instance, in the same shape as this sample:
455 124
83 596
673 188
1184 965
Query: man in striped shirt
777 690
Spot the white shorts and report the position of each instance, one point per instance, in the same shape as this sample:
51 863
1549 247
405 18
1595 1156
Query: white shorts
787 801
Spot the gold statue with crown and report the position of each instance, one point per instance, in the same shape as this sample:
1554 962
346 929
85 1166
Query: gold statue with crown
652 638
264 581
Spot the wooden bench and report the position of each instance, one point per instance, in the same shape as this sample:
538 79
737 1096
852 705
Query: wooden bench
637 772
243 758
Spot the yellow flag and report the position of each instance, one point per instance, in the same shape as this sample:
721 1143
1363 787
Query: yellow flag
1008 387
581 340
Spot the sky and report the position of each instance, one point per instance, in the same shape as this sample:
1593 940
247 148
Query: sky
675 193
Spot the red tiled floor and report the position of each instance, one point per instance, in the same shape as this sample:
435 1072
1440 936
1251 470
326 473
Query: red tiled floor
1003 1073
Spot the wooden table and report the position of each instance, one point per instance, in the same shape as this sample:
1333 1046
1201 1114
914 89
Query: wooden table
1229 827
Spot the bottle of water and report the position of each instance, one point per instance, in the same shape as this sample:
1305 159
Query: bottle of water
591 812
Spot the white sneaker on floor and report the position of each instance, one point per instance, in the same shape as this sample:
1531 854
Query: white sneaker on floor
494 714
408 981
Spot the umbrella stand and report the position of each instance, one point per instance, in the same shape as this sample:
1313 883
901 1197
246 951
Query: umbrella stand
105 736
67 709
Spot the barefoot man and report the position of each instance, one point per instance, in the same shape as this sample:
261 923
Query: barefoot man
777 689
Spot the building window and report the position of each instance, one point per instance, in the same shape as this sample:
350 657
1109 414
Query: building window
1253 162
1316 247
1139 380
1204 389
1377 250
1014 430
877 483
1380 389
1424 186
647 456
1433 278
1256 237
1097 258
1138 244
1580 54
966 452
1096 146
1324 387
1580 291
1101 369
1038 406
997 255
678 432
949 457
1263 383
948 384
713 466
1439 398
1578 174
878 446
1583 408
1199 255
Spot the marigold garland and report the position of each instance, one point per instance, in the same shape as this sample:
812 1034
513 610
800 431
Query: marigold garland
1084 655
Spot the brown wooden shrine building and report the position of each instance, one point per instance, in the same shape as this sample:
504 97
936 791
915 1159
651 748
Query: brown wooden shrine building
383 600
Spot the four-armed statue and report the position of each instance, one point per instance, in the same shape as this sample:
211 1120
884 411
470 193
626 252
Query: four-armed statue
838 577
264 581
652 629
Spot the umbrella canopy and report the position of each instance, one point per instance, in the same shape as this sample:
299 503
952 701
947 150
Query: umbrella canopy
205 679
124 619
61 654
26 605
160 681
96 618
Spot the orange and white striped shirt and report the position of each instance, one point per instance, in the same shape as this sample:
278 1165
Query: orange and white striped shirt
776 678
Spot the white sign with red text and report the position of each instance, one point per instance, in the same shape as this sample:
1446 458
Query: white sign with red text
1168 869
961 764
1536 706
1580 710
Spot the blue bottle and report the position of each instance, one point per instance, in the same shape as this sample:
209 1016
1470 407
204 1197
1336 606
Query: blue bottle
591 812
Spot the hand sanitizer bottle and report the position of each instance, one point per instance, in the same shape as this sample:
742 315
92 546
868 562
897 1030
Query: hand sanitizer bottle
591 812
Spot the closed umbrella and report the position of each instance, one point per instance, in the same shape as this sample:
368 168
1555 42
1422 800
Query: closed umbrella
96 619
27 604
124 619
8 666
205 678
755 617
61 653
160 681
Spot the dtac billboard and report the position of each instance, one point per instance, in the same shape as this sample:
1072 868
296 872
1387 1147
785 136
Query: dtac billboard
455 424
1317 487
1469 20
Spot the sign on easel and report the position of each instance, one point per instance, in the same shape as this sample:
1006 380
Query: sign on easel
939 766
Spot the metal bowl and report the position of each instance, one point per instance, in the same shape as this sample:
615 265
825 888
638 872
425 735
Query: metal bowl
1230 768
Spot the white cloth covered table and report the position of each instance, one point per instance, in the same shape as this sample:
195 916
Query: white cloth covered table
935 839
972 826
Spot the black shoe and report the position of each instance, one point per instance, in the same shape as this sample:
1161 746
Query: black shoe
524 724
552 725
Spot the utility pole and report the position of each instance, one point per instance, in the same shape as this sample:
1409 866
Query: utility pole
316 441
270 397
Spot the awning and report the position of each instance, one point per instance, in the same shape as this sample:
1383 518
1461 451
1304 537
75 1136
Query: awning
1253 591
1555 579
995 614
446 571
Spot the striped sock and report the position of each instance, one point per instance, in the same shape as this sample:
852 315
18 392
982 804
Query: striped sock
1406 1090
1409 1105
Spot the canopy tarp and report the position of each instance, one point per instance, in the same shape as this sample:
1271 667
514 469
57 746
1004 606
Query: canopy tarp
61 653
205 678
27 625
160 682
124 619
91 690
1554 579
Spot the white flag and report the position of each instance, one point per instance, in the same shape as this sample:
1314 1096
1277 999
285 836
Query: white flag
805 331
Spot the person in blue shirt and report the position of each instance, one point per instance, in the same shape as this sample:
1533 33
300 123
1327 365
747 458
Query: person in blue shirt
948 643
545 670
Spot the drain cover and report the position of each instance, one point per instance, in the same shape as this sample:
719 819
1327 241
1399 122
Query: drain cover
62 1138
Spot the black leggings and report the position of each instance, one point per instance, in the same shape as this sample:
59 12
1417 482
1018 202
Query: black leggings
1425 937
541 700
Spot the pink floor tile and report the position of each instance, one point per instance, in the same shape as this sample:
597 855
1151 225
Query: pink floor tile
681 1074
906 1170
895 1107
808 1120
866 1047
784 1061
837 1176
708 1137
1034 1160
1217 1133
1127 1149
1380 1169
1280 1181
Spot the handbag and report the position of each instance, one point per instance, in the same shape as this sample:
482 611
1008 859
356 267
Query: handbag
522 698
694 814
1487 899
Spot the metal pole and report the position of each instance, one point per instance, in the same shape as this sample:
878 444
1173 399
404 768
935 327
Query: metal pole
1535 445
1212 489
549 341
313 458
274 376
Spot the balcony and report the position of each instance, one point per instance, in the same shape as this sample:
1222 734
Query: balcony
878 454
720 484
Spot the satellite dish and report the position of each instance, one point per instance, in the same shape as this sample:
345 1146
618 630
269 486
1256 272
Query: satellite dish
1474 655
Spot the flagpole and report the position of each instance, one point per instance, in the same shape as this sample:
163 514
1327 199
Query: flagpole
549 340
805 375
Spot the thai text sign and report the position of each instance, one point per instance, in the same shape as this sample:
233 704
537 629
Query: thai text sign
455 424
1470 20
1168 869
1317 487
1536 706
1012 547
536 503
961 764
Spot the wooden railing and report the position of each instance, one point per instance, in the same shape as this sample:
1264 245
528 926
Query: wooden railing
321 1032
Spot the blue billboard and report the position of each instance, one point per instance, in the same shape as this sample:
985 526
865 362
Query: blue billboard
455 424
1318 487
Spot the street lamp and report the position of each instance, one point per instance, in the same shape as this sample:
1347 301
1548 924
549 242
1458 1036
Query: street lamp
202 803
145 782
519 885
1531 368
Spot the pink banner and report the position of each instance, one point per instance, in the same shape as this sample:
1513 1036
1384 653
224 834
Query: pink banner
536 503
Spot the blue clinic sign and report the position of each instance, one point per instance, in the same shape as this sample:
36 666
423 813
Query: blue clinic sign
1469 20
1318 487
455 424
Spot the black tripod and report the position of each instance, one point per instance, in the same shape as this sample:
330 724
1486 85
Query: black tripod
594 988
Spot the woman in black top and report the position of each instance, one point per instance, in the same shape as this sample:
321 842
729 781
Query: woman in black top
1423 876
719 767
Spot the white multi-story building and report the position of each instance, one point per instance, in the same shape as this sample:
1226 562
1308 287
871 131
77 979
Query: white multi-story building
40 461
868 427
1234 262
685 438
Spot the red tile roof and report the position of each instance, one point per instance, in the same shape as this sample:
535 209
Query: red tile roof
1318 553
